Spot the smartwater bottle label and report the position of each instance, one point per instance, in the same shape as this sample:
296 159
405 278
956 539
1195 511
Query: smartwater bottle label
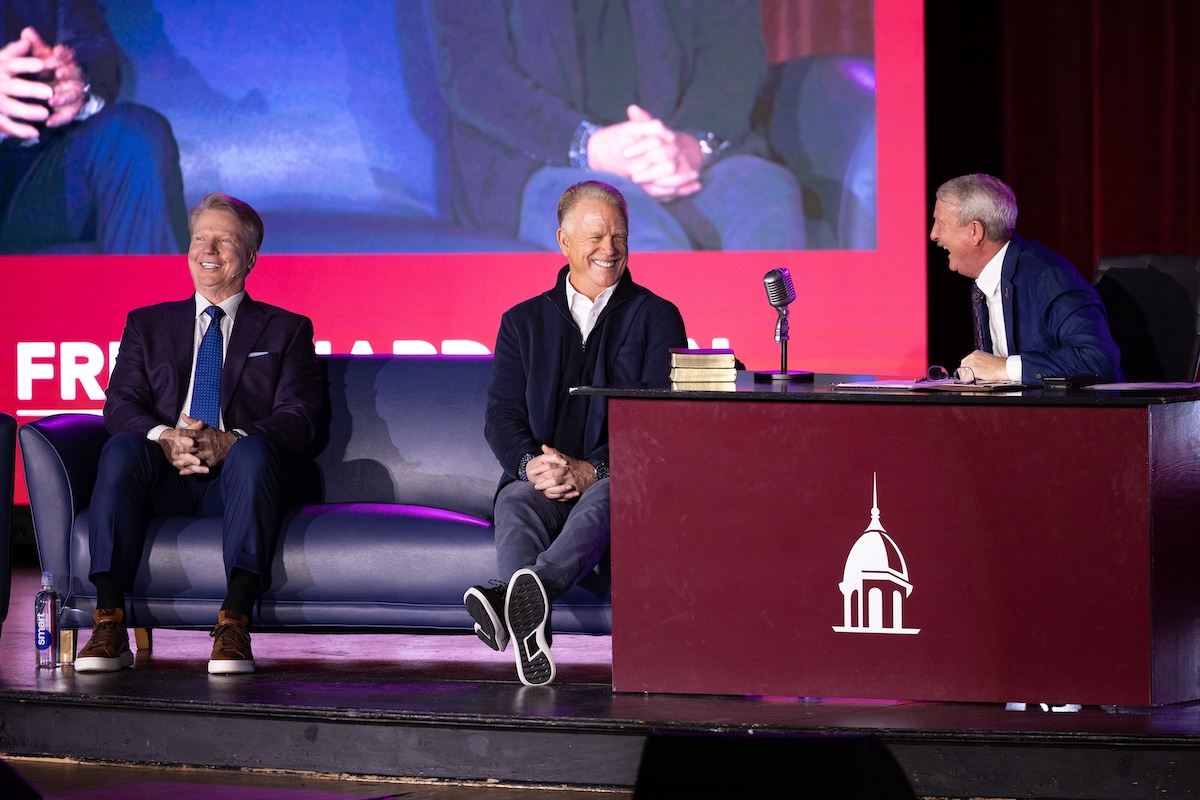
44 638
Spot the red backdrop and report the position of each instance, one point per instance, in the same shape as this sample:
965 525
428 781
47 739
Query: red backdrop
857 311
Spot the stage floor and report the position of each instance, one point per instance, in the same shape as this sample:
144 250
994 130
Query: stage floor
445 707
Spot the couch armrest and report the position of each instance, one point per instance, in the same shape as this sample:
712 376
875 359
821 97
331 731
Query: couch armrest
60 454
8 443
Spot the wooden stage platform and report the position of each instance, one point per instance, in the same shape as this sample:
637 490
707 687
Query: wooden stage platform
445 707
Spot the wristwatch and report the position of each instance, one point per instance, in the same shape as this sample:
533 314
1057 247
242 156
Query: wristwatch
577 155
711 146
525 459
601 470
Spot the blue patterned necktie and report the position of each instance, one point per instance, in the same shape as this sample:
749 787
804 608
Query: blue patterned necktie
206 390
979 312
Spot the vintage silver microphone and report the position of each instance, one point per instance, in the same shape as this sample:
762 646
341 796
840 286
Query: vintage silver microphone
780 294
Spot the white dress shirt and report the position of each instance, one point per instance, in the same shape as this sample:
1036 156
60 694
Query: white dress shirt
584 311
989 283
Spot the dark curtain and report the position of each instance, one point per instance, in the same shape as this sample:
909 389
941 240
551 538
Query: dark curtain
1101 125
962 134
1090 110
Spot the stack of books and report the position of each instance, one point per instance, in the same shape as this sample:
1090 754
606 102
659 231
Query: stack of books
703 370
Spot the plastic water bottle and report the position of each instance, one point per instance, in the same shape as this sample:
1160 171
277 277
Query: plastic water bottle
45 617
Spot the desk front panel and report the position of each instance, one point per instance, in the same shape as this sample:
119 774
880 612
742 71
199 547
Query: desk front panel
1011 558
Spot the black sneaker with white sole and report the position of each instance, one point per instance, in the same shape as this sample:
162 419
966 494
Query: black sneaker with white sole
527 611
485 604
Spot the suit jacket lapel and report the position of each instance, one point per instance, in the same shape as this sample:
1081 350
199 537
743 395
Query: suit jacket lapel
247 327
1007 291
181 330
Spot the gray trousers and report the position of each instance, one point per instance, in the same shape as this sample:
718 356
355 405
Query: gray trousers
561 542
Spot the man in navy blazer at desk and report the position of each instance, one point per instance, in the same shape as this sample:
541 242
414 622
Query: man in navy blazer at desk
1035 315
208 399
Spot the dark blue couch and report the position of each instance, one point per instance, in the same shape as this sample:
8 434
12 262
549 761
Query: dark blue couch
406 482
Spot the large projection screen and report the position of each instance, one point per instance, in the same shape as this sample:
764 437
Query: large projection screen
328 117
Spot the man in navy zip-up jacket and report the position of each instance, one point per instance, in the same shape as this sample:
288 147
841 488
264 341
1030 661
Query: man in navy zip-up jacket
595 327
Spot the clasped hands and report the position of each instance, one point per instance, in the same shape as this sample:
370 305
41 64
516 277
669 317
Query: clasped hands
196 448
665 163
64 90
559 476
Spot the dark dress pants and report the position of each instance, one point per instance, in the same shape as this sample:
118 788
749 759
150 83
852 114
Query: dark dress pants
136 482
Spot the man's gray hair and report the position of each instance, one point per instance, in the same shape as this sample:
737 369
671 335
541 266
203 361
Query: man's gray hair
985 198
592 190
251 222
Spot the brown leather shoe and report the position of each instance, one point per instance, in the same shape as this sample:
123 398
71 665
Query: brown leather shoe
108 649
231 645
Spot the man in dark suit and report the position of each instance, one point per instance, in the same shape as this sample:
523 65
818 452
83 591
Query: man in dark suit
79 171
209 400
653 97
1035 314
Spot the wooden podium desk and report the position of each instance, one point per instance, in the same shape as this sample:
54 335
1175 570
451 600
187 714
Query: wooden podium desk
1039 547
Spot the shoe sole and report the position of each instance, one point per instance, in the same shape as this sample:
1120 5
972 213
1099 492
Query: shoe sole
230 667
488 626
99 664
526 607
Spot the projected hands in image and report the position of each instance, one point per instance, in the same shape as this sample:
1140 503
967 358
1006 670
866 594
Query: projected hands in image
89 175
663 162
39 84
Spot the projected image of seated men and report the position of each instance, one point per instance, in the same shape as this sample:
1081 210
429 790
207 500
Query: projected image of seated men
652 97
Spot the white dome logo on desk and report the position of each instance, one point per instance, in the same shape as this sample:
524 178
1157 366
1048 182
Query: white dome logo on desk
875 582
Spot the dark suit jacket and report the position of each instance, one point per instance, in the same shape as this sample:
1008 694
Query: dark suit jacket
78 23
1053 317
539 346
511 75
270 382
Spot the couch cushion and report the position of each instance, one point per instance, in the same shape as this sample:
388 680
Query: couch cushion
409 430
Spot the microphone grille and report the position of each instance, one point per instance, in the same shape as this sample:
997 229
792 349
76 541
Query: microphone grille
780 289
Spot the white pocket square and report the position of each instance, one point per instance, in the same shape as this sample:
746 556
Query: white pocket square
258 353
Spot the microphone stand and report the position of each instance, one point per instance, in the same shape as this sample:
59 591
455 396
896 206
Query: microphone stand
781 336
783 376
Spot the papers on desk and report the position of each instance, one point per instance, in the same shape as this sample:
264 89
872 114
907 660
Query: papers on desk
1143 386
931 386
877 386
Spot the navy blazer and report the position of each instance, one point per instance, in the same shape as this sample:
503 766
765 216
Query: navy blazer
511 76
632 339
270 381
1053 318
